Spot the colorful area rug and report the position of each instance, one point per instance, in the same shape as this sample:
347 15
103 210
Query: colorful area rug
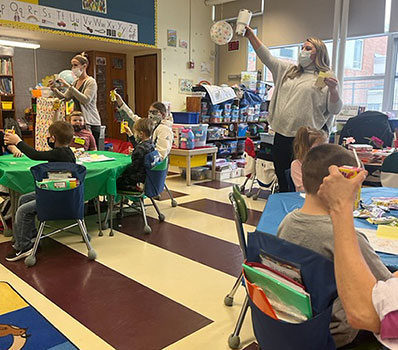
22 327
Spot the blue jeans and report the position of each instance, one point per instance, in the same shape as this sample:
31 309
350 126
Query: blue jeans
25 225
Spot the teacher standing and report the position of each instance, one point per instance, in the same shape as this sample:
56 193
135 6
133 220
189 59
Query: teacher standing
296 101
83 91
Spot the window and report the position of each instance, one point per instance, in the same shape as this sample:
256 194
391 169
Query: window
251 56
379 65
288 54
353 54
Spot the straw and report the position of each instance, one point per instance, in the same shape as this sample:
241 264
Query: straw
356 158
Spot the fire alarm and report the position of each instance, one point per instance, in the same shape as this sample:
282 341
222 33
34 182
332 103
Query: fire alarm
191 65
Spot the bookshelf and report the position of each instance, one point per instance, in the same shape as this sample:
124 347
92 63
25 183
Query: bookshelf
7 89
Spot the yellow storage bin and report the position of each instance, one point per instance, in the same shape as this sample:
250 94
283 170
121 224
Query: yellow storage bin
6 105
180 161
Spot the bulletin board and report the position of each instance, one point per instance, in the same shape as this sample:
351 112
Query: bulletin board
131 22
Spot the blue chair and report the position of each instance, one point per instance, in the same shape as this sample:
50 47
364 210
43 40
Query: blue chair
156 172
54 205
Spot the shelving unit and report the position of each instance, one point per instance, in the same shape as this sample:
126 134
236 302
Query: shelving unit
6 86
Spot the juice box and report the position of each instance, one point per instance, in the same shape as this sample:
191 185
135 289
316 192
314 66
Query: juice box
9 131
123 125
350 172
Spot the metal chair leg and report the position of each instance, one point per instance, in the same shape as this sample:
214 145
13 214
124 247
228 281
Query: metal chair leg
234 339
173 201
31 259
147 228
100 233
229 299
160 215
111 215
92 255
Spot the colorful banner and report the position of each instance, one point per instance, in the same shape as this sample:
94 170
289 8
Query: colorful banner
53 18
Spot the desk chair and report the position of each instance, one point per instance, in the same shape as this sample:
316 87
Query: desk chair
156 173
59 205
4 209
389 171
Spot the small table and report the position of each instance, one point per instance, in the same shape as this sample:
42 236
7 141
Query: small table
189 153
100 177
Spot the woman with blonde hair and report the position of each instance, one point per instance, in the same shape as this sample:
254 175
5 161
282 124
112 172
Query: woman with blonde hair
83 91
297 101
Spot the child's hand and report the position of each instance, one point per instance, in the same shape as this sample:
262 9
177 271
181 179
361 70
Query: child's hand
16 152
128 130
11 139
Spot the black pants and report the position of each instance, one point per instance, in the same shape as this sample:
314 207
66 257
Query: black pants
96 131
282 154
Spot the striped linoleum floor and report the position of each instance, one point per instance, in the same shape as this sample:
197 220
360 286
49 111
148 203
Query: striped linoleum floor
145 292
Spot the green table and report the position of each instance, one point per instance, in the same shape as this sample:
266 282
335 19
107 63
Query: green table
100 177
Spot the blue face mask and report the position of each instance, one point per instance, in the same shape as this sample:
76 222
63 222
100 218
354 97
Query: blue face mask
304 58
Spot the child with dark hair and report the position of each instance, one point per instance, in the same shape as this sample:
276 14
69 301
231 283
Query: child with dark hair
82 137
134 176
311 227
25 230
305 139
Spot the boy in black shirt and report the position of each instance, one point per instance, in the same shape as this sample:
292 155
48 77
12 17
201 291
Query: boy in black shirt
134 176
61 133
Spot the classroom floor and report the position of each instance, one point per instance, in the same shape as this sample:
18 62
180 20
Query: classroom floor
159 291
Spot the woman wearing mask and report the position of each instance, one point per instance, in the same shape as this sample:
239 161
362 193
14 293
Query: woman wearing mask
83 91
296 100
162 136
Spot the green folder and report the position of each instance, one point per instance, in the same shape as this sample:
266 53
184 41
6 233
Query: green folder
285 293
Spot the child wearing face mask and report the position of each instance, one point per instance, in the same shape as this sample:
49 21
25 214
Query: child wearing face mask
82 138
134 176
83 92
162 136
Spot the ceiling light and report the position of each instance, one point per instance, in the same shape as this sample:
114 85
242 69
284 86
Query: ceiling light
17 43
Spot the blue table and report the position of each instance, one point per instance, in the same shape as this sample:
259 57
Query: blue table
280 204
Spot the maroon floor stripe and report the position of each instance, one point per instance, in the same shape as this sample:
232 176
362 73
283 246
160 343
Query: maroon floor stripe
215 184
165 196
210 251
252 346
223 210
124 313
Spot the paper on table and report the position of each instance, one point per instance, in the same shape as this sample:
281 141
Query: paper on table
91 158
384 245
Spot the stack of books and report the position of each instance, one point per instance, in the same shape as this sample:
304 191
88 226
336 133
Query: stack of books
276 288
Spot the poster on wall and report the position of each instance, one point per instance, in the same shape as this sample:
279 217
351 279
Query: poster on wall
171 37
94 5
183 44
53 18
185 86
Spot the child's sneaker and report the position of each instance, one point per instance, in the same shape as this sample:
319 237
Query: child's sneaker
18 254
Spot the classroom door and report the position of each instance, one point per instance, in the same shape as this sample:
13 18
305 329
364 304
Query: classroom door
145 83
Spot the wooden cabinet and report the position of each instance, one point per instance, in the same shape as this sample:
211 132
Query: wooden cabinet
109 70
7 90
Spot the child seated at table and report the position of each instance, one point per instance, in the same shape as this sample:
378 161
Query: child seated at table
311 227
82 137
25 230
134 176
305 139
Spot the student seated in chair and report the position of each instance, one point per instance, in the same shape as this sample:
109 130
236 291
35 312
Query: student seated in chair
368 303
82 137
25 230
311 227
134 176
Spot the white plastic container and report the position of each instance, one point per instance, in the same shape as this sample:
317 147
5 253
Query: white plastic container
223 175
243 20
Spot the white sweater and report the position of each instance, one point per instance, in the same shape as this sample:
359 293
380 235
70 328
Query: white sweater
162 136
297 102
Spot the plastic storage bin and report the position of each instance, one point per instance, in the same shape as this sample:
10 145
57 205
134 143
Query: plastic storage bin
267 138
186 117
6 105
200 132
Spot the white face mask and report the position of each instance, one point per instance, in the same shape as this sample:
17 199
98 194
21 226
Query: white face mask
304 59
77 72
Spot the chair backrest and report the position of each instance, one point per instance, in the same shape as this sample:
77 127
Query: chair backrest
317 274
240 216
156 172
389 171
265 172
366 125
59 205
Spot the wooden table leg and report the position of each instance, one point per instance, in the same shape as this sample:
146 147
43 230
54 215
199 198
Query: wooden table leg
213 166
188 170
